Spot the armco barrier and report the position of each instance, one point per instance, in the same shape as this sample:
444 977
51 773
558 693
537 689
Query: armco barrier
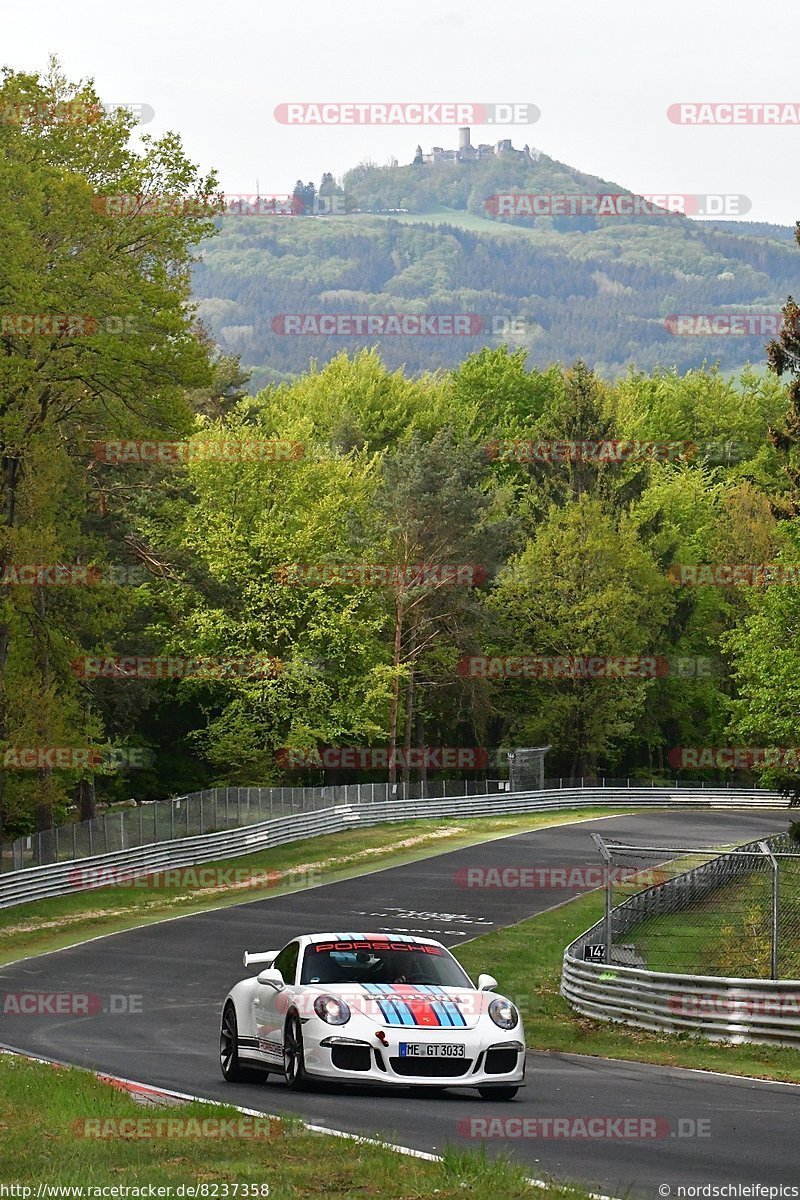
724 1009
58 879
718 1007
215 809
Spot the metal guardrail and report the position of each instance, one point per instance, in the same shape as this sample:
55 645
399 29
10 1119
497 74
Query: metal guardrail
722 1009
216 809
718 1007
61 878
207 811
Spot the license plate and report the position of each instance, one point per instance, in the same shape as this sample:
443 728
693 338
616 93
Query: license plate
432 1050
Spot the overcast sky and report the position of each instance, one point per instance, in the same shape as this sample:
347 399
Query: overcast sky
603 76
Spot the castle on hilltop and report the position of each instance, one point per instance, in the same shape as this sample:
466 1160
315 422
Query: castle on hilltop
466 152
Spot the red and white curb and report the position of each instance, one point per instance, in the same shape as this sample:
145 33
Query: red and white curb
153 1097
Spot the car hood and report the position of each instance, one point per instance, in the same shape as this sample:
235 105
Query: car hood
412 1005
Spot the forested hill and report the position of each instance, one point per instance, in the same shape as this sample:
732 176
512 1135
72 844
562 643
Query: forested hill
563 287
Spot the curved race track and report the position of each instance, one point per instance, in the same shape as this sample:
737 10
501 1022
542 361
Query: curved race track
183 968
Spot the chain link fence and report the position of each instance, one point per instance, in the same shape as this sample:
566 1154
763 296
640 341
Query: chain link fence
209 811
727 911
217 809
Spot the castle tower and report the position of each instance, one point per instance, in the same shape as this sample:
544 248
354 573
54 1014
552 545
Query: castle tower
463 138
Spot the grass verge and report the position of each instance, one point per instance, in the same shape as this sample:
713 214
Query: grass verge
526 958
729 931
42 1142
44 925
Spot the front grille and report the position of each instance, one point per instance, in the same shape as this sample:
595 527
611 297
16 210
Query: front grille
351 1058
500 1062
434 1068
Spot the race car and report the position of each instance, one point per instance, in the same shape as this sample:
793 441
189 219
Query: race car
376 1008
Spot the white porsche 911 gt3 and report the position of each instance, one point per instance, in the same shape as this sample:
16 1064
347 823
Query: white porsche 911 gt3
381 1008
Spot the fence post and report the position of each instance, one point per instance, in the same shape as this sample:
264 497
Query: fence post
105 831
773 966
74 840
172 820
606 857
201 812
122 829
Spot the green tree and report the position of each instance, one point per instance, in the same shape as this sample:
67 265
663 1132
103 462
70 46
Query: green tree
96 332
584 585
437 512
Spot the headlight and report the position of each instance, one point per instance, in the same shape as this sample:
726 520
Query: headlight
332 1010
503 1013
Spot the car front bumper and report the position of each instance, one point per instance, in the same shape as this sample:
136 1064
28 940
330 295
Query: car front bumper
358 1060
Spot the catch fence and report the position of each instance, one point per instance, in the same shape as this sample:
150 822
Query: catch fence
217 809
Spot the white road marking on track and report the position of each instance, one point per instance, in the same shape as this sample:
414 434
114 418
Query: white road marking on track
133 1085
405 914
378 870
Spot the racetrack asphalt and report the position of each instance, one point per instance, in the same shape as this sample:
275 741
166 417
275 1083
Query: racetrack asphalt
183 968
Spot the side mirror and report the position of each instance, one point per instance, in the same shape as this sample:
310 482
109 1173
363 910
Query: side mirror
486 983
273 977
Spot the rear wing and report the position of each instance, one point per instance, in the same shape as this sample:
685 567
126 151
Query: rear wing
266 959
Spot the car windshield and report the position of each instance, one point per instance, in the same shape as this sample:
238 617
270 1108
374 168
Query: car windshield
369 961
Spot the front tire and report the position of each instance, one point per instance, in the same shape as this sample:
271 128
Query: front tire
294 1063
498 1093
231 1067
